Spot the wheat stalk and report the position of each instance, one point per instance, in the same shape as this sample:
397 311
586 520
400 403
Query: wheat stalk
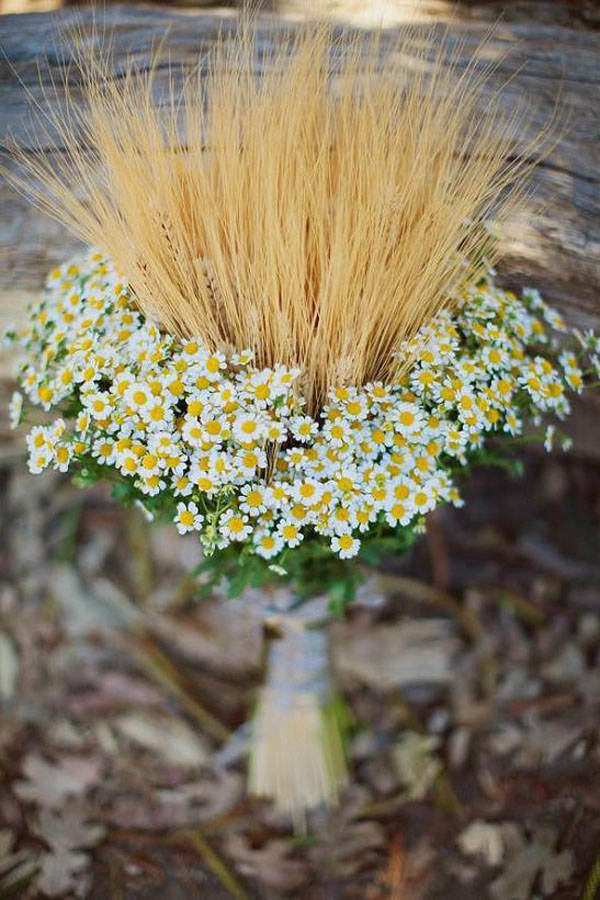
328 204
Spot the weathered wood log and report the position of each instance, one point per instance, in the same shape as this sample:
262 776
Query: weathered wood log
553 67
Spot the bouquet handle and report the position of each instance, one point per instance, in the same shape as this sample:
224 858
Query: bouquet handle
297 756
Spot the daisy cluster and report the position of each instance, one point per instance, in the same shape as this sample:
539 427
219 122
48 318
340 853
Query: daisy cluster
229 450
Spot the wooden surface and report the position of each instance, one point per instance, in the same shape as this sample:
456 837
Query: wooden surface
554 64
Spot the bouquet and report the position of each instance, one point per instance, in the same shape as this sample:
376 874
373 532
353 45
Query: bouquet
288 339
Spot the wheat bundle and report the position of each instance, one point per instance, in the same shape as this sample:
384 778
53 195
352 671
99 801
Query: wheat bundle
314 201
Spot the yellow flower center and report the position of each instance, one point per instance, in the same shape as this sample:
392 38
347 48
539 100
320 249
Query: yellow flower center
186 518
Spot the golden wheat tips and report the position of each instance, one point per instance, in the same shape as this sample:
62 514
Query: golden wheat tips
318 213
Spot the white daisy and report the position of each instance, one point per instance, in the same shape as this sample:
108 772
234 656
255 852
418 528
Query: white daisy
345 546
234 526
188 518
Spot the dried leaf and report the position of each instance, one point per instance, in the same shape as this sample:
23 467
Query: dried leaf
272 863
416 764
48 785
116 691
344 843
68 830
547 739
557 870
208 798
228 637
65 833
171 739
60 872
393 655
568 665
483 839
407 873
505 739
103 607
527 860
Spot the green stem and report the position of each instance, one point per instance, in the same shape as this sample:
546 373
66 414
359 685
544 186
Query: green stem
593 881
163 670
214 863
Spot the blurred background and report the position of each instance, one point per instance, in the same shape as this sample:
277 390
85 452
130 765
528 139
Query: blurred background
470 668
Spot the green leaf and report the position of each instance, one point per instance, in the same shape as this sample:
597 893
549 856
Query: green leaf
238 582
124 492
258 576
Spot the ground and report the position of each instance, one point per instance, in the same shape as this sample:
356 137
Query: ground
470 670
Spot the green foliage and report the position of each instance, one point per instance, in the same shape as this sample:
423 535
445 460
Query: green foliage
310 569
501 457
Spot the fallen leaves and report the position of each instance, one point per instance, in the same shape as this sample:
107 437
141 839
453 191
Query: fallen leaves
208 799
524 857
99 607
167 737
396 654
416 762
485 840
272 863
344 841
49 785
64 829
62 868
105 726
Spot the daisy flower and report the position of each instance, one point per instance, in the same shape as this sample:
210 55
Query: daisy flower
253 499
188 518
99 405
234 526
303 428
290 534
62 457
407 418
247 428
268 545
345 546
138 396
39 459
104 450
213 366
